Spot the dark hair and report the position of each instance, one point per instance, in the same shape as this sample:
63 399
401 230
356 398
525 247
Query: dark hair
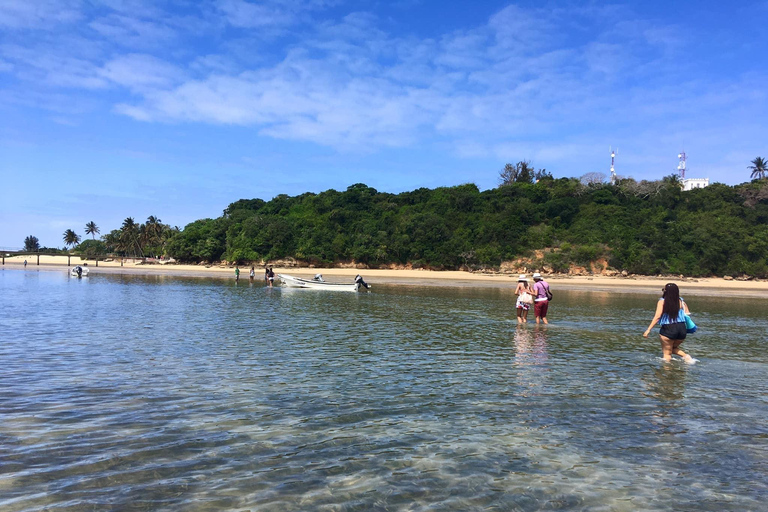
671 301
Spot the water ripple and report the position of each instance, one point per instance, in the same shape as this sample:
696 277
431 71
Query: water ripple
122 392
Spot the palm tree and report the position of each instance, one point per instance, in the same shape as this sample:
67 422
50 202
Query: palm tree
130 237
154 233
151 228
71 238
112 241
759 168
31 244
92 229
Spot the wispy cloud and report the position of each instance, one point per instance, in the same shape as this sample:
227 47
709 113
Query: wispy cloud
52 69
524 76
141 72
242 14
133 32
38 14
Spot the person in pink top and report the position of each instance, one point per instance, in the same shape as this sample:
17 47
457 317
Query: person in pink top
541 298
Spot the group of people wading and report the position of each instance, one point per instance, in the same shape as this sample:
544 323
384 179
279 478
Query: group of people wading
269 275
537 295
671 311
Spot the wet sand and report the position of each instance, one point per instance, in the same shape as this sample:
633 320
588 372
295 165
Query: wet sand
649 284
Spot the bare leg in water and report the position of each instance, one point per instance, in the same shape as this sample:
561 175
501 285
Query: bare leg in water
669 347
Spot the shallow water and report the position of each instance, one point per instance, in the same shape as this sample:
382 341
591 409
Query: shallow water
124 393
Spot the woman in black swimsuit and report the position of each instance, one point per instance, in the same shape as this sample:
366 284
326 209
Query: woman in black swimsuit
670 314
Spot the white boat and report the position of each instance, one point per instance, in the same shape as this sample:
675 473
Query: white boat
318 283
78 271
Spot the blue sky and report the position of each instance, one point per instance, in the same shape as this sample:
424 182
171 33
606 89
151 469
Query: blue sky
118 108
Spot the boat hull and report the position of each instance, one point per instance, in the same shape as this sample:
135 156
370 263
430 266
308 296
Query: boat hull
297 282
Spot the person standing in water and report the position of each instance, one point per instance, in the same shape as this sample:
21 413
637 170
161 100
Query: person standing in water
253 273
270 277
670 315
540 298
524 299
237 273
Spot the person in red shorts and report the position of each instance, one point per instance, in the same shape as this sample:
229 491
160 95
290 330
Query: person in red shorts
541 301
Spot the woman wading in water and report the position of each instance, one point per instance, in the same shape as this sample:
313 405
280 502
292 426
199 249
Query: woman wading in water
524 299
670 314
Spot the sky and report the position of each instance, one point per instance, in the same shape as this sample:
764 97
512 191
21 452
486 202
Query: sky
130 108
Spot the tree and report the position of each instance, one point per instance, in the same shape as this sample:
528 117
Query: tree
153 230
592 178
91 249
92 229
521 172
130 242
542 174
71 238
31 244
759 168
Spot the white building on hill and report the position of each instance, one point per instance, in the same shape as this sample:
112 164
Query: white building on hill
692 183
689 183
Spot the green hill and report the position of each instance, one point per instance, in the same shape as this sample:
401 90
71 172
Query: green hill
640 227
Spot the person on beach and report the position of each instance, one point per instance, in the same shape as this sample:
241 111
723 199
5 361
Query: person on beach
670 315
270 277
237 273
524 299
541 298
253 273
25 263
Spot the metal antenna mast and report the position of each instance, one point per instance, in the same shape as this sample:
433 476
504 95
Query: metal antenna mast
681 165
613 161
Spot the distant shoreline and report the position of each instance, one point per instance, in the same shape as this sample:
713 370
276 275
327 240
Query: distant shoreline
633 284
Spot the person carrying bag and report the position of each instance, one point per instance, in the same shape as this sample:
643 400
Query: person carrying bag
542 296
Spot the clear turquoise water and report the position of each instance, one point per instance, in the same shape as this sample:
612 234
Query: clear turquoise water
125 393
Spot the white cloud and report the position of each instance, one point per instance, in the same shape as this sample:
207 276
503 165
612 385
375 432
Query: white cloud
39 14
510 78
242 14
53 69
214 64
141 72
493 90
133 32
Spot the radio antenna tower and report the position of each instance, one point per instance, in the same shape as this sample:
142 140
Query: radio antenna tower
613 161
681 165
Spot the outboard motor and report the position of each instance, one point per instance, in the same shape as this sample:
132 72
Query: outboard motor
319 278
359 280
79 271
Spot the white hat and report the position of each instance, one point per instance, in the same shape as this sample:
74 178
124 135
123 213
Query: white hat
536 275
522 278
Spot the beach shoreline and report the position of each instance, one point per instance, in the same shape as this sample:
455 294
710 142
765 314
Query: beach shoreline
634 284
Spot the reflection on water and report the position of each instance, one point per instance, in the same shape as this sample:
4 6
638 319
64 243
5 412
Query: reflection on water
123 392
530 345
667 382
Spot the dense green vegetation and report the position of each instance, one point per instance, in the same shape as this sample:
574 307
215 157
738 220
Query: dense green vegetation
641 227
647 227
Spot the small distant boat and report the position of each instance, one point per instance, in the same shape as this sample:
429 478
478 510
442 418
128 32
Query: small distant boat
78 271
318 283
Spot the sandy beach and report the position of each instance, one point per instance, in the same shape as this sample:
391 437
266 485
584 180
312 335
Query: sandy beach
650 284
